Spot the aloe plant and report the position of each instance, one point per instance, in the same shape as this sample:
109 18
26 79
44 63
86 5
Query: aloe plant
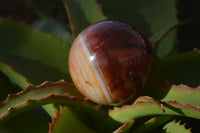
38 95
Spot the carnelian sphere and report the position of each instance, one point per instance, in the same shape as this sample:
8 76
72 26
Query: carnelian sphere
110 62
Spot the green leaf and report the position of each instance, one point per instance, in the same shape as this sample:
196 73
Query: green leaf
152 17
66 121
166 44
14 76
82 13
125 128
61 93
59 30
178 69
175 127
51 18
33 121
19 80
147 106
30 118
180 93
36 55
6 87
33 97
153 124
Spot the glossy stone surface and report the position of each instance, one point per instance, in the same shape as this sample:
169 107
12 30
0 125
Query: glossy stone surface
110 62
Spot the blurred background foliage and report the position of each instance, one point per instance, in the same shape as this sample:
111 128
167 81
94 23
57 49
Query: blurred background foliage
51 17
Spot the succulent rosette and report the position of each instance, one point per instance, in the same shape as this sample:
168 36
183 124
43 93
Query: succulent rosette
95 66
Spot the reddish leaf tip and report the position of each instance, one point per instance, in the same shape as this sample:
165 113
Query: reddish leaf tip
120 130
54 119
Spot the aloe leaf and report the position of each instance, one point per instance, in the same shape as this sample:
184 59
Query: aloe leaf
14 76
125 128
50 25
147 106
6 87
180 93
66 121
82 13
153 124
166 44
61 93
29 118
21 81
51 18
33 97
155 18
30 50
176 127
182 68
152 17
93 116
33 121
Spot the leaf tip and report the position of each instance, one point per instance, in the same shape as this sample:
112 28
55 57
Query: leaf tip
54 119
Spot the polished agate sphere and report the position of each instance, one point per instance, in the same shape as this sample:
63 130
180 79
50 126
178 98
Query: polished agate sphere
110 62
